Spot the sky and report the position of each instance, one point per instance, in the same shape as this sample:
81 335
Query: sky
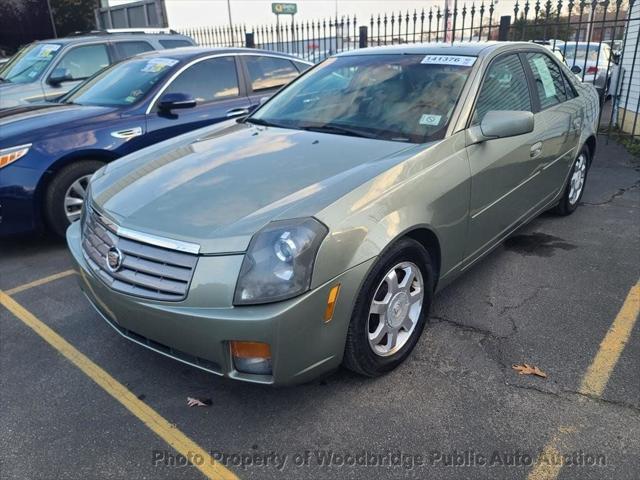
192 13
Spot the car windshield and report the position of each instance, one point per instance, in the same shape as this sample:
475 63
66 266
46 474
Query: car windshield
122 84
28 64
406 98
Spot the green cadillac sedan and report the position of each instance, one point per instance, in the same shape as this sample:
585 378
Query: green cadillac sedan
316 231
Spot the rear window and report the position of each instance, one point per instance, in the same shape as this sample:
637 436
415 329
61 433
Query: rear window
129 49
175 43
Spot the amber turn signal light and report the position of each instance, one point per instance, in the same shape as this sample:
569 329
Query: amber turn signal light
331 302
250 349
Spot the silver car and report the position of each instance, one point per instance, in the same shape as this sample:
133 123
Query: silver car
317 231
591 62
47 69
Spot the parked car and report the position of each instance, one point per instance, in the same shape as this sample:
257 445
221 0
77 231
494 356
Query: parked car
316 231
49 151
4 55
591 62
47 69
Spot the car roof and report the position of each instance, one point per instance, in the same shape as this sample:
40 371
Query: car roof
113 36
461 48
187 53
467 48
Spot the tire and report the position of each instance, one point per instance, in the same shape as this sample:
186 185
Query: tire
570 198
367 356
55 211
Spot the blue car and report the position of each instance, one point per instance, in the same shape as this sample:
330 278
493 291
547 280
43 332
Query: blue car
49 151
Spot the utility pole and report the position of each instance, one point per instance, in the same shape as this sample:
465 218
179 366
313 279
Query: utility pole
53 23
230 21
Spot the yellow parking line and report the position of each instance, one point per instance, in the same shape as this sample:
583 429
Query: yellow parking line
39 282
595 379
170 434
611 347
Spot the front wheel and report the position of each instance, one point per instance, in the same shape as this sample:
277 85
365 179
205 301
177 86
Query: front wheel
575 185
391 310
65 195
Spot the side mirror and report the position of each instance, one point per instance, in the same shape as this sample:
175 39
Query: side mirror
174 101
60 75
576 69
501 124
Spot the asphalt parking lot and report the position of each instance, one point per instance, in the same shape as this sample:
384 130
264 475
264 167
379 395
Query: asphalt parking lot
548 298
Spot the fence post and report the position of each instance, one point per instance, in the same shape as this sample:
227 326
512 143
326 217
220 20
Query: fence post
364 34
503 30
249 42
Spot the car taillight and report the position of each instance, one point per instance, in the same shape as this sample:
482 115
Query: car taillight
592 70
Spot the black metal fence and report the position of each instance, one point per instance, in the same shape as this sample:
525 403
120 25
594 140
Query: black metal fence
598 39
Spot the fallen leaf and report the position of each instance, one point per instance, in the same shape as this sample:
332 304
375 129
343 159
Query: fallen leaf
194 402
526 369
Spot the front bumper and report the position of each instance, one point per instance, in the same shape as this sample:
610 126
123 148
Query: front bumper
302 345
18 201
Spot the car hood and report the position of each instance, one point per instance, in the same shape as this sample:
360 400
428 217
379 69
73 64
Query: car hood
13 94
48 118
218 188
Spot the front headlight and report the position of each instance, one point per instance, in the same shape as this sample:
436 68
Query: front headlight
86 205
279 262
10 155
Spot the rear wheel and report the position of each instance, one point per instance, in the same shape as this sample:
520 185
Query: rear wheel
391 310
575 185
65 195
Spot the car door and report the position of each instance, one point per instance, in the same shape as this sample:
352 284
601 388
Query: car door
214 83
502 169
78 63
266 75
557 120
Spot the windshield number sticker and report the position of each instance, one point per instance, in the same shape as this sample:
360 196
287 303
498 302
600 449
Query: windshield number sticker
432 120
457 60
156 65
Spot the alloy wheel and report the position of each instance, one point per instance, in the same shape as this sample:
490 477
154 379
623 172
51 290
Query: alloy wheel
578 176
74 198
395 309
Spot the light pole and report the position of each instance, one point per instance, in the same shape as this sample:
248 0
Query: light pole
230 21
53 23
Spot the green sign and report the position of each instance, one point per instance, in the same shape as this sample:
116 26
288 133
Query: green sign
284 8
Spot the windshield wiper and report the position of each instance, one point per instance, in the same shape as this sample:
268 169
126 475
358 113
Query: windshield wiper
4 80
339 130
264 123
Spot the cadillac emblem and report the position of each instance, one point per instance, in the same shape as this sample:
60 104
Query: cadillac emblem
114 259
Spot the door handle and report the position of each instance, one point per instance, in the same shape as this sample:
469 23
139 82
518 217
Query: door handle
237 112
536 150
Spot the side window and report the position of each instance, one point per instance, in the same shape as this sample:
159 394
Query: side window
208 80
175 43
269 72
129 49
504 88
549 80
82 62
302 67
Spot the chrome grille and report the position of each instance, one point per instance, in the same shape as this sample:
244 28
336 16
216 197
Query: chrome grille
146 270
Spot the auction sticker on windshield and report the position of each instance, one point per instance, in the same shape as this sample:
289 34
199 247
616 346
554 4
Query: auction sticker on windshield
47 49
459 60
156 65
